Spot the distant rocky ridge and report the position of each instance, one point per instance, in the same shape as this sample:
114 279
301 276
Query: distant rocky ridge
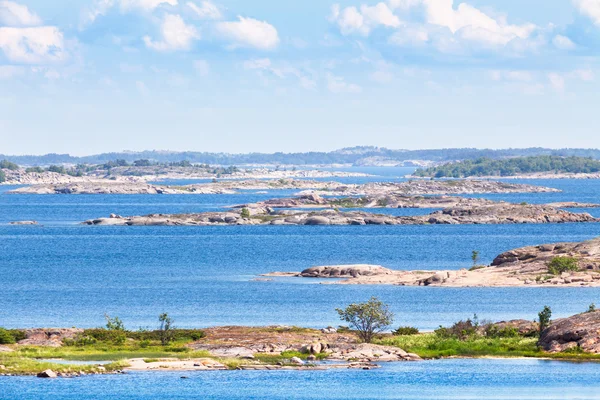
528 266
375 190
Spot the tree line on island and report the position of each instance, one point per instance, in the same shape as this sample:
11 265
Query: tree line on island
352 155
512 166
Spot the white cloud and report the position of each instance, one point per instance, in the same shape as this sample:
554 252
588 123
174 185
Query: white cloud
337 84
248 32
101 7
176 35
145 5
563 43
36 45
557 81
206 10
410 36
10 71
352 20
472 24
266 69
202 67
586 75
590 8
517 76
403 4
14 14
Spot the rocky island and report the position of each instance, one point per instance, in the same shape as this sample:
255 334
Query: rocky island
559 264
494 213
274 348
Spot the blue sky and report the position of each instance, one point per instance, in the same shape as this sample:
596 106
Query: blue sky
92 76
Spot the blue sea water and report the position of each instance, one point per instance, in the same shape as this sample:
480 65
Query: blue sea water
66 274
443 379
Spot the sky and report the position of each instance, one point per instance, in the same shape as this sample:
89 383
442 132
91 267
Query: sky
91 76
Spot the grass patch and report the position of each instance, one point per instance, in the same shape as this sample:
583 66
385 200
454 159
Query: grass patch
430 345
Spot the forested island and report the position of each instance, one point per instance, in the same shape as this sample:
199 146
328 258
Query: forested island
356 156
512 167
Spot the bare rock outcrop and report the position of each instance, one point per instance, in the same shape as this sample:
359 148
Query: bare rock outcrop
49 337
535 259
579 331
345 271
500 213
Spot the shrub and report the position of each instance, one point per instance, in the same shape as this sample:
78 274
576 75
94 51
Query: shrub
592 308
6 337
461 330
558 265
405 331
492 331
245 213
2 176
38 170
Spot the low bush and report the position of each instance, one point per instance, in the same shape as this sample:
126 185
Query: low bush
405 331
492 331
558 265
6 337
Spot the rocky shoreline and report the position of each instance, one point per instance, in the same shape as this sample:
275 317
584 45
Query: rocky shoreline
528 266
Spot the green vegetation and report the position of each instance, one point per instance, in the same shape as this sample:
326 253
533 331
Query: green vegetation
544 317
558 265
2 176
405 331
512 166
367 318
166 330
5 164
592 308
245 213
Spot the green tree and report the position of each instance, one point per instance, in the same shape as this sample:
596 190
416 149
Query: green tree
166 329
245 213
367 318
114 324
544 317
475 257
2 176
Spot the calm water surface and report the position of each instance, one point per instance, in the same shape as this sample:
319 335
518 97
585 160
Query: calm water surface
65 274
447 379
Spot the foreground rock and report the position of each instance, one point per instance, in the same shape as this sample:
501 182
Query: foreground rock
47 374
497 213
528 266
577 332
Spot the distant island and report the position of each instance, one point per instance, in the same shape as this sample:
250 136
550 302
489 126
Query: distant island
517 166
352 156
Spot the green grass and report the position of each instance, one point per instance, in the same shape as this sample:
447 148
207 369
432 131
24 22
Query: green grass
429 345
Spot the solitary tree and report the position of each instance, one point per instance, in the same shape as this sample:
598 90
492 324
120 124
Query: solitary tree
166 329
245 213
367 318
475 257
544 318
114 324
